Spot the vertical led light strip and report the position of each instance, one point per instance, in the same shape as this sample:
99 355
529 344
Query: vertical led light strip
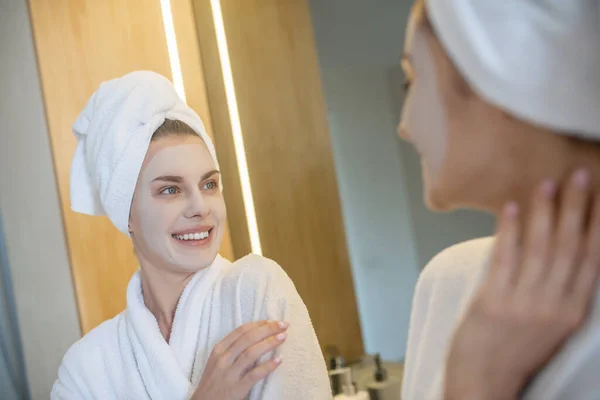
167 15
234 117
236 127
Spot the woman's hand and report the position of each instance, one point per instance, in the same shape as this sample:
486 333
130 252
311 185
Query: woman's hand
536 295
232 369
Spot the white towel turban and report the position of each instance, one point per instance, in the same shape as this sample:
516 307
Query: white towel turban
537 59
113 132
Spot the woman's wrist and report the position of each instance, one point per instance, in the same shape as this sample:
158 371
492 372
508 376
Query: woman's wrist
477 393
478 388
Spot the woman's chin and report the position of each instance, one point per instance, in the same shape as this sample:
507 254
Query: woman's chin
435 198
194 262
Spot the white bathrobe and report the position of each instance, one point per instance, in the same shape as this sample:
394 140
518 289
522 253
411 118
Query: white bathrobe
127 357
443 291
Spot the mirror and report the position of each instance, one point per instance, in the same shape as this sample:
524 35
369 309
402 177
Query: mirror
391 235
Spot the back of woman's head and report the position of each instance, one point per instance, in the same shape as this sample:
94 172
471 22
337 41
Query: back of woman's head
537 60
500 92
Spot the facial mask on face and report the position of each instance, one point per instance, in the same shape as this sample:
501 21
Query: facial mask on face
423 116
189 206
113 133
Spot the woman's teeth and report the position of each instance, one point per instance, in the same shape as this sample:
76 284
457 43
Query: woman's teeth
192 236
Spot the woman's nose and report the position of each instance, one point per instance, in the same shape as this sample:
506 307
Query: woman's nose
197 206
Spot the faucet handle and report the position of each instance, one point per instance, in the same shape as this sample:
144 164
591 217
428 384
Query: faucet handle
334 359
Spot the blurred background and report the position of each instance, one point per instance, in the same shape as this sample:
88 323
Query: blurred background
308 91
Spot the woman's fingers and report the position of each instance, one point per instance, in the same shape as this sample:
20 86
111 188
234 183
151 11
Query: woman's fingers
586 280
223 346
570 233
252 337
258 373
506 250
538 236
252 354
226 377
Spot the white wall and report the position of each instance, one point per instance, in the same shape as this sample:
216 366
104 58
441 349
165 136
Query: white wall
30 210
390 233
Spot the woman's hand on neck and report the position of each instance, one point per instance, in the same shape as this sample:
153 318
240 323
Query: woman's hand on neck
550 157
567 159
162 289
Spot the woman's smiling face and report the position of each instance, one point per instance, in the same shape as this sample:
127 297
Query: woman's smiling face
178 211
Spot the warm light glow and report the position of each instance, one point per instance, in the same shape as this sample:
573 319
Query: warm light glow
165 6
236 127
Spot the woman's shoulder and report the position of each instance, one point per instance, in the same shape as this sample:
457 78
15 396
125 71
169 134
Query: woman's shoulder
255 279
460 260
83 365
256 270
103 339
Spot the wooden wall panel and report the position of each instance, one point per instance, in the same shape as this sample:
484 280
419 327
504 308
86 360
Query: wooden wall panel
81 43
288 149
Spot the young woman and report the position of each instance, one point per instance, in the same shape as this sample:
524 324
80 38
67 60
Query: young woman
196 326
503 95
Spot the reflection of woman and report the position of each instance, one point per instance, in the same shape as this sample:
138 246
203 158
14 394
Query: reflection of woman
503 95
196 326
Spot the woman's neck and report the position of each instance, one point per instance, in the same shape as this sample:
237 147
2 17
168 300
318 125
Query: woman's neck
557 161
161 290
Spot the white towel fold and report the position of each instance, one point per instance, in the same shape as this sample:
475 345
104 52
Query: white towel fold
113 133
537 59
127 357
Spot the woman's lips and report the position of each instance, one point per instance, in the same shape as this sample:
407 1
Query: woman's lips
194 238
196 229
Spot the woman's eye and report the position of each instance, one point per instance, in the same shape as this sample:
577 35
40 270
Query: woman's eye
406 86
210 185
169 190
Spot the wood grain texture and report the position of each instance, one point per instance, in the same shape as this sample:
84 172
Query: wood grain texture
288 149
79 44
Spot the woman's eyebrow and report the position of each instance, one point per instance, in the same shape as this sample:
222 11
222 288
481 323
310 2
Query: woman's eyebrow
210 173
179 179
169 178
